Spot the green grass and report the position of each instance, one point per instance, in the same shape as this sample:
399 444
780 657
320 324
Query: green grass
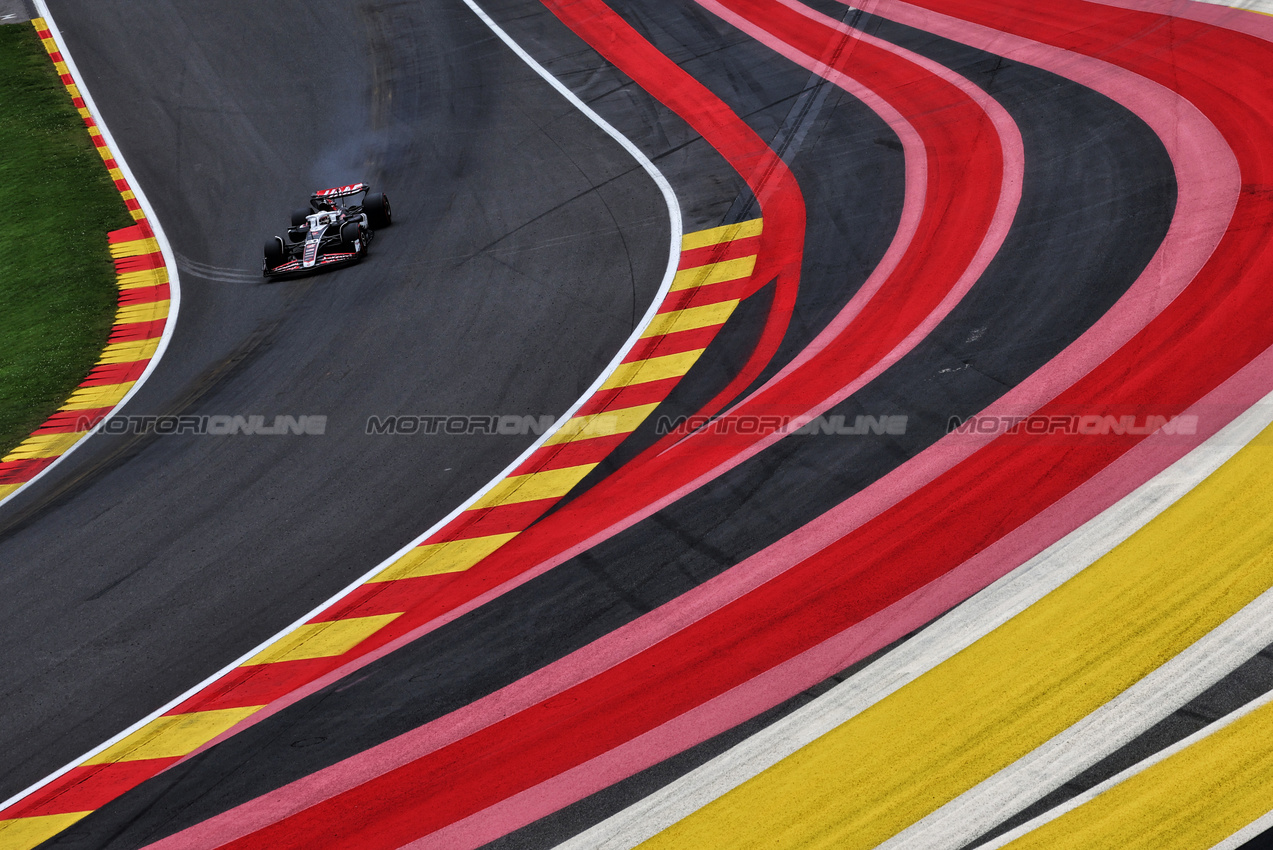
57 283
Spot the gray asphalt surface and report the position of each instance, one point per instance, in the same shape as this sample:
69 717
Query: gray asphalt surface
525 246
1035 298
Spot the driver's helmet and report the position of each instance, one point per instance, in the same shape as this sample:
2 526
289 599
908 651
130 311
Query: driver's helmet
324 218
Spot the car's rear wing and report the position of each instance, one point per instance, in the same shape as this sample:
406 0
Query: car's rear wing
339 192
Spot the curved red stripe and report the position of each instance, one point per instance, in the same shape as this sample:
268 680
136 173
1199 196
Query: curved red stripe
952 124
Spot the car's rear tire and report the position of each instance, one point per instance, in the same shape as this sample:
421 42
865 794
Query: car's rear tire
378 212
298 217
349 232
274 253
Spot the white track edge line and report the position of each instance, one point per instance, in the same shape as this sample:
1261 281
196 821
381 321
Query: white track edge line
1100 733
174 283
1246 833
1139 767
674 214
958 629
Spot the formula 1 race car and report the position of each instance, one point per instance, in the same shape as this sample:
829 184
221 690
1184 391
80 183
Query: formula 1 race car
329 233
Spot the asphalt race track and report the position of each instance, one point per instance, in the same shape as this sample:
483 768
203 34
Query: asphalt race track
930 510
152 544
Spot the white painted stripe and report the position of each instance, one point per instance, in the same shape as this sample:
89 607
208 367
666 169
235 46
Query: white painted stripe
1105 730
960 628
1264 6
674 254
1161 755
174 282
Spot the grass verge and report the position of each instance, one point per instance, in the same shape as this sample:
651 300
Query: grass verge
57 282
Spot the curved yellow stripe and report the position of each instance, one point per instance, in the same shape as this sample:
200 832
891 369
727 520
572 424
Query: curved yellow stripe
26 833
1179 577
724 233
690 318
651 369
1195 798
173 735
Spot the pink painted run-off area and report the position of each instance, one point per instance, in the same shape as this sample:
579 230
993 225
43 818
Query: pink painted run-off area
1208 185
553 679
916 173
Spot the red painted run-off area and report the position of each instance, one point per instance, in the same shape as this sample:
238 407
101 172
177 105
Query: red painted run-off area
583 722
965 171
1218 324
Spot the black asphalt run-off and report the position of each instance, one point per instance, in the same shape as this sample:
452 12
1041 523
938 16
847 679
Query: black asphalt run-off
526 245
1095 177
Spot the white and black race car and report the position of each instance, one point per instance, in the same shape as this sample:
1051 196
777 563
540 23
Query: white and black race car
329 233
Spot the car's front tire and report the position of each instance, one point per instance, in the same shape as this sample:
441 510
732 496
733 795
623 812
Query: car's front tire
378 212
275 254
349 233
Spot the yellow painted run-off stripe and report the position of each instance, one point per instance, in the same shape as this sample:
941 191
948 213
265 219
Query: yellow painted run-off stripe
724 233
173 735
44 445
652 369
145 277
549 484
721 272
1179 577
449 556
26 833
604 424
1195 798
322 640
91 398
690 318
147 312
134 247
129 352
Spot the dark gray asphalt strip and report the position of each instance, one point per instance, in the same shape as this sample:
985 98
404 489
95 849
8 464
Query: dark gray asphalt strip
524 245
1095 176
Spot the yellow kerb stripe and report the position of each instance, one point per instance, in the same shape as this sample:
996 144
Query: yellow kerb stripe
88 398
724 233
147 312
147 277
652 369
602 424
27 833
549 484
173 735
721 272
129 352
1195 798
44 445
1179 577
134 248
6 489
449 556
690 318
322 640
